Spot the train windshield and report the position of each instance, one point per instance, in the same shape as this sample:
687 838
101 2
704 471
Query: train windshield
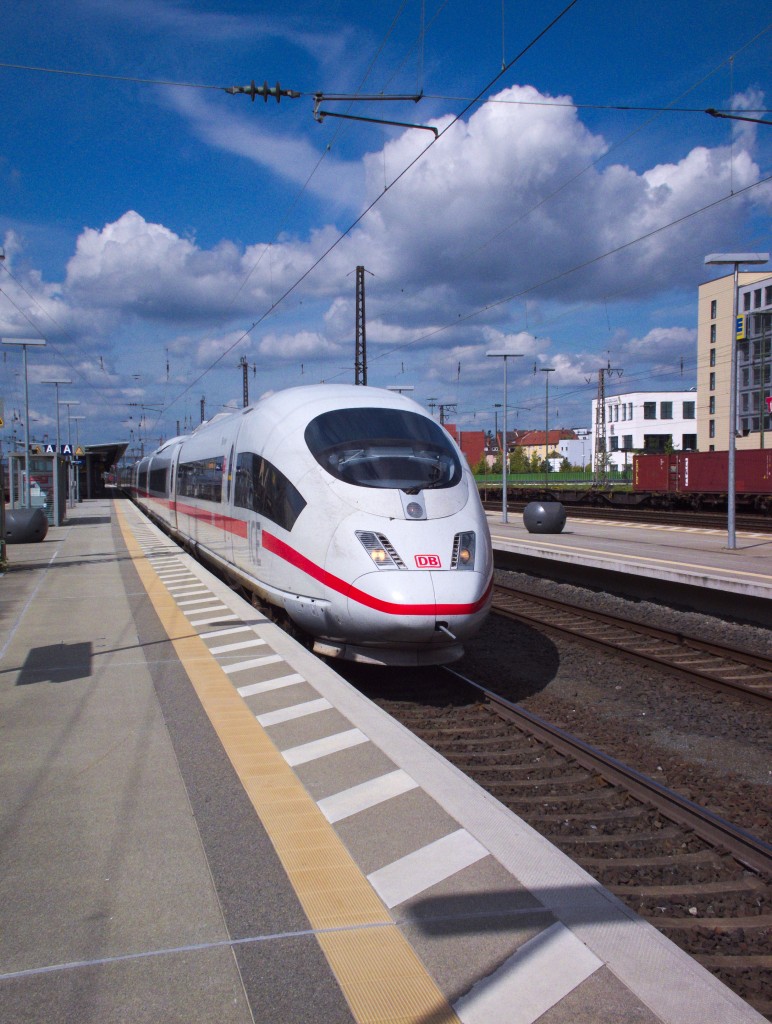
384 448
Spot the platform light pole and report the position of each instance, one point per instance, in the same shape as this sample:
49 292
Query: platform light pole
505 356
56 384
26 343
733 259
547 370
76 420
69 402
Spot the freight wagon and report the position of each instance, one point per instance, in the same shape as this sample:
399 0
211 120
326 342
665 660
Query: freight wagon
699 479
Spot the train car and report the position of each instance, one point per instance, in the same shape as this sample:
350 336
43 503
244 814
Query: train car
699 479
347 508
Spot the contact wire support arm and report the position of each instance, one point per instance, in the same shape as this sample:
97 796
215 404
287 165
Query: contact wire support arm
319 114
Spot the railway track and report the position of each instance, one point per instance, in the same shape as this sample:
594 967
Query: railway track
721 668
702 881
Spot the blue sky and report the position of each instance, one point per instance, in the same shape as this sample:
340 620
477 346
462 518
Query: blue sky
155 234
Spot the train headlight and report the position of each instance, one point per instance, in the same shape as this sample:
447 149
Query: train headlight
463 551
380 550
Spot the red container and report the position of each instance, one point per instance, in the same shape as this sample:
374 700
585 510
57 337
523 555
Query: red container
704 472
654 472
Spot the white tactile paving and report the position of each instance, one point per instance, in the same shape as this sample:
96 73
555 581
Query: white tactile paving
541 973
244 666
288 714
306 752
213 618
229 631
418 871
251 689
367 794
242 645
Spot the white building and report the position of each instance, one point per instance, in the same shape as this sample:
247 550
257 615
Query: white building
577 450
647 421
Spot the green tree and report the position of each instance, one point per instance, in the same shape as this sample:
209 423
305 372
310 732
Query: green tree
519 461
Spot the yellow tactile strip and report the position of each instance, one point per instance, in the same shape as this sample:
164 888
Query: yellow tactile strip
378 972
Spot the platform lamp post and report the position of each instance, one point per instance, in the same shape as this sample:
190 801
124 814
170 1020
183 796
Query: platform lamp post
56 384
26 343
70 402
505 356
733 259
76 420
547 370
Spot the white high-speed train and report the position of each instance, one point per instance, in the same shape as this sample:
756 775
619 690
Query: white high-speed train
348 507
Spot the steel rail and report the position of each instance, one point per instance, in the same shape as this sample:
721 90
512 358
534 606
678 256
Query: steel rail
746 848
679 644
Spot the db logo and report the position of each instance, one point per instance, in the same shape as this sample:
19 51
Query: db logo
428 561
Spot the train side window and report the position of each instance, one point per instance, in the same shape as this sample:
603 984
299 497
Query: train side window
158 479
201 478
262 488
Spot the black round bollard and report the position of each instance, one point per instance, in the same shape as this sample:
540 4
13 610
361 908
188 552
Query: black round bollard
544 517
25 525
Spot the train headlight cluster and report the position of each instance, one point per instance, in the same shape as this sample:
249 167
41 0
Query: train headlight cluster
380 550
463 551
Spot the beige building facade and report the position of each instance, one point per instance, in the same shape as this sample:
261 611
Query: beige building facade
714 348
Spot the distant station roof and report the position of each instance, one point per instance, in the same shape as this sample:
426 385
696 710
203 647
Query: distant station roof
106 455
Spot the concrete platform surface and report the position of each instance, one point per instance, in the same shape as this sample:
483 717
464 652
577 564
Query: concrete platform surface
202 822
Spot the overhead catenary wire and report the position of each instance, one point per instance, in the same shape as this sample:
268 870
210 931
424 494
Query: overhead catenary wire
195 85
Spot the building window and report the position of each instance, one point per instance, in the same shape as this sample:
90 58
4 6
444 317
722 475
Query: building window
768 295
649 410
666 410
657 442
689 442
629 410
712 357
711 428
627 442
713 309
712 405
747 301
757 298
688 413
713 334
712 383
615 444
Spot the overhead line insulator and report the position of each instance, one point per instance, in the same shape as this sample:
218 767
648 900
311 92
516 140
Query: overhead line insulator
263 90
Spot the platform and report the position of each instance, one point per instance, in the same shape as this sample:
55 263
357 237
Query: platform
693 565
204 823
